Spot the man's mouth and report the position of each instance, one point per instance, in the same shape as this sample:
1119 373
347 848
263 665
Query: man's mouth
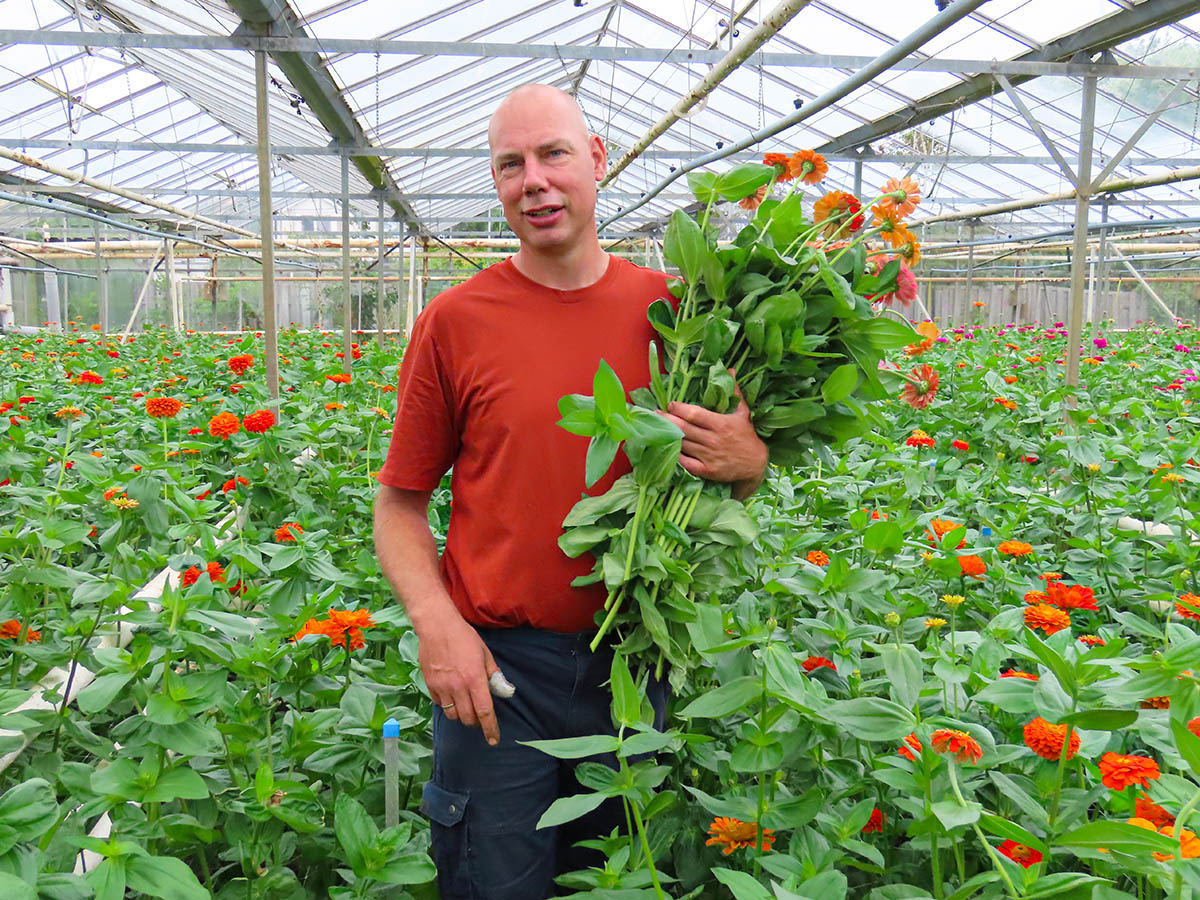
542 212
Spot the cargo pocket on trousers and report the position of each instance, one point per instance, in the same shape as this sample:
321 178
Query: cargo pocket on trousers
448 838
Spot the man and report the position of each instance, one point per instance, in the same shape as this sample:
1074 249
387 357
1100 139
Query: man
479 385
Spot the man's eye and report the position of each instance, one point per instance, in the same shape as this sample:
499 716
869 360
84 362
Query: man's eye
508 164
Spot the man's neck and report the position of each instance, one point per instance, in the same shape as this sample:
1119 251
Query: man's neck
565 272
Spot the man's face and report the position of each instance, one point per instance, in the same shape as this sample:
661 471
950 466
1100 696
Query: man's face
545 167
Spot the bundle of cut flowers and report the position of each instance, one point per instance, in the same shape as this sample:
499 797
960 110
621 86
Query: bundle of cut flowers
784 317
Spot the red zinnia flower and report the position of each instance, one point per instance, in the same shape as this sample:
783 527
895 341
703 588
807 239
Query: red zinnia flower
216 574
1145 808
239 364
89 377
960 445
259 421
1017 673
232 484
875 823
1092 640
817 662
1070 596
163 407
1019 853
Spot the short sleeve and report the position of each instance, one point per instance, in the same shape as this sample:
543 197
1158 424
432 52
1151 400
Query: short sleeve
425 436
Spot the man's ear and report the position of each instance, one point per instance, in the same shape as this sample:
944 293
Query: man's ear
599 155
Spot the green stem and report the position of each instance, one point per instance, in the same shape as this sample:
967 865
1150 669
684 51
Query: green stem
762 799
637 818
953 771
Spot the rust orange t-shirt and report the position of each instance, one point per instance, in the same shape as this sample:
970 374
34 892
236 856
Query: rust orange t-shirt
478 390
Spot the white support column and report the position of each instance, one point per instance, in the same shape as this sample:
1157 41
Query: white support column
379 288
266 227
346 306
173 290
101 280
53 310
412 283
1083 187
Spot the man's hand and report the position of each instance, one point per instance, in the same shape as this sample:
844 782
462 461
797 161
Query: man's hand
721 446
457 664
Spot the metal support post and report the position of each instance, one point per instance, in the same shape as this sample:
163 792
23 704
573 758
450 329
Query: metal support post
411 313
1102 268
137 306
379 286
858 178
266 227
346 308
53 311
101 280
1145 285
1083 196
970 262
173 290
1089 315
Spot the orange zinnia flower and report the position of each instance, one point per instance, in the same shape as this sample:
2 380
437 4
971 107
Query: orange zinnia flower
780 163
1191 844
1048 618
233 483
1194 726
66 412
1188 606
339 378
908 250
1017 673
961 745
1156 703
919 439
163 407
287 532
817 558
901 196
348 623
259 421
1119 770
1046 740
223 425
920 393
911 744
754 201
323 627
241 363
1070 596
941 528
331 407
835 208
215 570
972 565
807 165
1092 640
929 333
1015 548
1019 853
734 834
11 630
1145 808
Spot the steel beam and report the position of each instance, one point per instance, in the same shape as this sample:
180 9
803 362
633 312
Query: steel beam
1083 198
299 42
1101 35
307 73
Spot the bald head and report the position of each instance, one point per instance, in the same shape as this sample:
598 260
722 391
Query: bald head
538 102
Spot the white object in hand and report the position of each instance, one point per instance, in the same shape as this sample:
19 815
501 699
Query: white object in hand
500 686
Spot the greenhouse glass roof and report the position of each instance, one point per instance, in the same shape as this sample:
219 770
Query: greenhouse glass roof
177 125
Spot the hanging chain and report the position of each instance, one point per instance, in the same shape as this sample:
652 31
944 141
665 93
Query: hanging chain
377 137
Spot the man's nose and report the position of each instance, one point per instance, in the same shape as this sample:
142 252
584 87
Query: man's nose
535 176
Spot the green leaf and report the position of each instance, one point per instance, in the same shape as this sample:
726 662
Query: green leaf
567 809
108 879
886 333
684 246
626 702
1013 695
1101 719
724 700
1060 883
871 718
841 383
843 296
748 756
742 181
1010 831
703 185
355 831
164 877
100 694
14 888
608 391
176 783
1186 743
29 809
902 663
576 747
742 885
646 742
601 452
953 814
1052 659
1118 836
117 779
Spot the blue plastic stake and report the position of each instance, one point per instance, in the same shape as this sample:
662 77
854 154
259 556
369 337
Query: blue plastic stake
985 531
391 772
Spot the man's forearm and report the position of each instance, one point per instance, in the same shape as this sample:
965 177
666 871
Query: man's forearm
408 556
743 489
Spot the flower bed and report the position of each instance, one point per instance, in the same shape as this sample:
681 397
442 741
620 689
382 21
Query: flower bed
917 704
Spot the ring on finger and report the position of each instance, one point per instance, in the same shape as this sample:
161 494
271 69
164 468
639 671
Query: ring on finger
447 706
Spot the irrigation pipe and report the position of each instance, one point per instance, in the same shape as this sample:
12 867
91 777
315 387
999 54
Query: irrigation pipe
880 64
763 32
